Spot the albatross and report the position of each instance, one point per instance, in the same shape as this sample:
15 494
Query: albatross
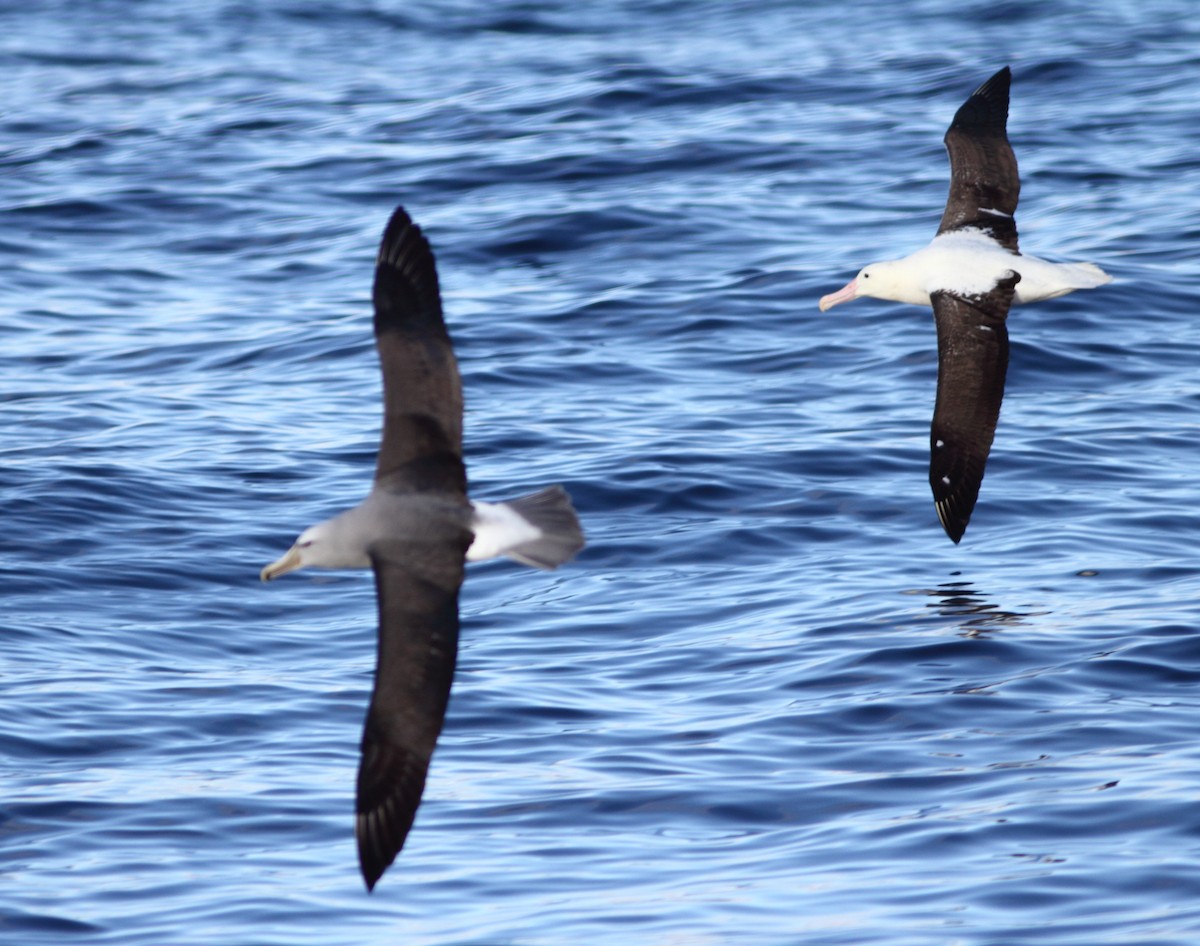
415 530
970 274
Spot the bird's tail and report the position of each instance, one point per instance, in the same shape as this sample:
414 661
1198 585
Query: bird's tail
551 513
540 529
1088 276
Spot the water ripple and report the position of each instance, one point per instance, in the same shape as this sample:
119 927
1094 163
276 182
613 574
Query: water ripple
770 703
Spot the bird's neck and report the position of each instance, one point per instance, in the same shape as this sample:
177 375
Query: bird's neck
898 280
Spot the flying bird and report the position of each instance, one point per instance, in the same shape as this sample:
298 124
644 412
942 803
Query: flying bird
971 273
415 531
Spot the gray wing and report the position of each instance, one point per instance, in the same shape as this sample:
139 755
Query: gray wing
972 363
984 182
422 393
417 585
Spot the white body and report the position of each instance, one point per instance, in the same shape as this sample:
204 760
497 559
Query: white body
966 262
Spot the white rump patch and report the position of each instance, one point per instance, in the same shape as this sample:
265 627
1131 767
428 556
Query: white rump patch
498 530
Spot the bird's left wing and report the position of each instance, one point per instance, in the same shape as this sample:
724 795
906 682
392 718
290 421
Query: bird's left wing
417 584
972 364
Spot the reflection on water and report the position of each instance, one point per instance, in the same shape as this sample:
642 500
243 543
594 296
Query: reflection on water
977 615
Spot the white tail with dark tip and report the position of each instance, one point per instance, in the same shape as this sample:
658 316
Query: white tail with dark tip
540 529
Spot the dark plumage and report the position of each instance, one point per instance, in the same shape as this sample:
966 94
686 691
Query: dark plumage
415 531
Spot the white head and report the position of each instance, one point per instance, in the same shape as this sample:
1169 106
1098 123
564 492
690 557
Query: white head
885 280
305 551
328 544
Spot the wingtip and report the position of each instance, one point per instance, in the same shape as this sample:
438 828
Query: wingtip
406 292
1001 80
391 780
377 847
987 107
955 528
399 234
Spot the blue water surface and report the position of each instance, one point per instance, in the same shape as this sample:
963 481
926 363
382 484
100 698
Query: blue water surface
770 703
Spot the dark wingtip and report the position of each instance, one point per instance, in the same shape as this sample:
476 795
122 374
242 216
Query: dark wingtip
955 480
391 780
1000 83
406 293
380 839
986 111
396 225
381 834
954 525
374 854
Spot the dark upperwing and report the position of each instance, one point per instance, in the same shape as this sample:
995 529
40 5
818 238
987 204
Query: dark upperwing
421 447
972 363
417 583
984 182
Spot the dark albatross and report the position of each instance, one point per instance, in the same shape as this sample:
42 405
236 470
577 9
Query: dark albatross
416 530
971 274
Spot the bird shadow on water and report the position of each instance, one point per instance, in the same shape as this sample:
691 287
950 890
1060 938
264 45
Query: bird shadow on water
976 615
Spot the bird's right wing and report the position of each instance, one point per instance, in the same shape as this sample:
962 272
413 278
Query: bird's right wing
984 182
421 447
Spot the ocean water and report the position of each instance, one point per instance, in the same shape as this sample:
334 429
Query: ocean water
770 703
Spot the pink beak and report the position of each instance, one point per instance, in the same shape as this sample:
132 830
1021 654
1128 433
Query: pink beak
847 293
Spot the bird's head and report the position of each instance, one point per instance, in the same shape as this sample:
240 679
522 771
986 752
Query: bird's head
307 550
876 281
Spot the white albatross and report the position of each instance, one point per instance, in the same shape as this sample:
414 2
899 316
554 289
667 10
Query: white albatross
971 274
416 530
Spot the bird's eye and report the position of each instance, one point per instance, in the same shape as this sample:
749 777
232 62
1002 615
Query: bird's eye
304 545
866 275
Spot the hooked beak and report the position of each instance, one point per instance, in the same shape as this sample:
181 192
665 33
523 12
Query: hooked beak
289 563
847 293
